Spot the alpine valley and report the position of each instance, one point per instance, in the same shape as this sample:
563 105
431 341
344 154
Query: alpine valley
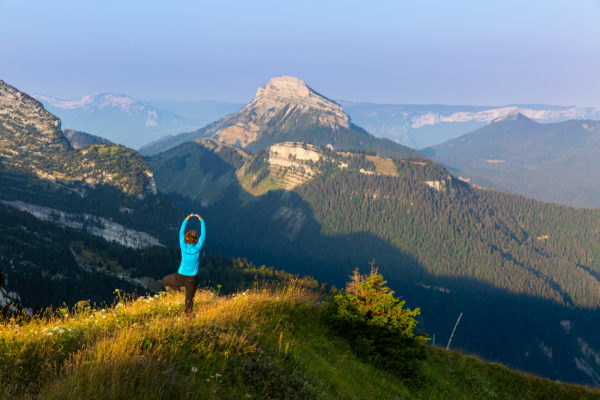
289 181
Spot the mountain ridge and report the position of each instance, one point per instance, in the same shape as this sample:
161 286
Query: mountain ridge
427 125
117 117
550 162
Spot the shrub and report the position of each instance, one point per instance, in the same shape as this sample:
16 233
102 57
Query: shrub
378 327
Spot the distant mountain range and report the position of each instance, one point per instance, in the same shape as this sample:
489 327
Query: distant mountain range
287 109
133 123
555 162
421 126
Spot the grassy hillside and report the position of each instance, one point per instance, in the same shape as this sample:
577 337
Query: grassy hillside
257 344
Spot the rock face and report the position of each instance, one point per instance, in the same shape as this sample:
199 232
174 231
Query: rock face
292 162
26 127
287 109
294 95
98 226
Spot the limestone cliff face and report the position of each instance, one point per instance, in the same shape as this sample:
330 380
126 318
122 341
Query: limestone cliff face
292 162
284 104
109 230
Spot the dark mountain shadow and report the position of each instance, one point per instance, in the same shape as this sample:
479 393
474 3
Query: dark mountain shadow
521 331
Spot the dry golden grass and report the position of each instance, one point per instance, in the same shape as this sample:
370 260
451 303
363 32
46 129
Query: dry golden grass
258 344
145 347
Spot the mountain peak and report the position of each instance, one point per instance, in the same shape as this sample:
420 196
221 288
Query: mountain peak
287 109
514 115
283 95
285 87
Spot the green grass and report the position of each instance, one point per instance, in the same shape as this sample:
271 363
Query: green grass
263 343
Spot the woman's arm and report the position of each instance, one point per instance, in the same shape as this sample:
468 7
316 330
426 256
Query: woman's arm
182 233
202 234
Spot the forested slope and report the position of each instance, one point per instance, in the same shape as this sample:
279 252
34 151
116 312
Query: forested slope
443 244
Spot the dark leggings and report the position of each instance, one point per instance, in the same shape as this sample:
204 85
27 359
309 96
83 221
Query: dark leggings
176 281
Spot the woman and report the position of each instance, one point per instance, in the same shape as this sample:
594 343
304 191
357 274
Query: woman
190 257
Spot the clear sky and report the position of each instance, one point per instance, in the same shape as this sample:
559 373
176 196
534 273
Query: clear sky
419 51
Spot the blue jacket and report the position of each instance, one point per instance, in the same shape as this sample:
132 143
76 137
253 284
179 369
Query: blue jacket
190 253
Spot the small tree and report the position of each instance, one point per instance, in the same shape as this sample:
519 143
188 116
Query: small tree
377 325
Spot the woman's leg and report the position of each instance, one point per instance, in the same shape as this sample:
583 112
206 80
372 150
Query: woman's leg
172 281
190 291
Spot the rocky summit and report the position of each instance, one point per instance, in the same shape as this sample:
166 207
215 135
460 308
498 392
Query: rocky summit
287 92
285 103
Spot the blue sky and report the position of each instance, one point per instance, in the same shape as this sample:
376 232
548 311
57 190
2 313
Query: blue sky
450 52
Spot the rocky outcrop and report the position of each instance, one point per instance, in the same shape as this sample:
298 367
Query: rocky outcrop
292 162
26 127
98 226
293 95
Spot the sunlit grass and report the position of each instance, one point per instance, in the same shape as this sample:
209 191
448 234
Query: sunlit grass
146 346
257 344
